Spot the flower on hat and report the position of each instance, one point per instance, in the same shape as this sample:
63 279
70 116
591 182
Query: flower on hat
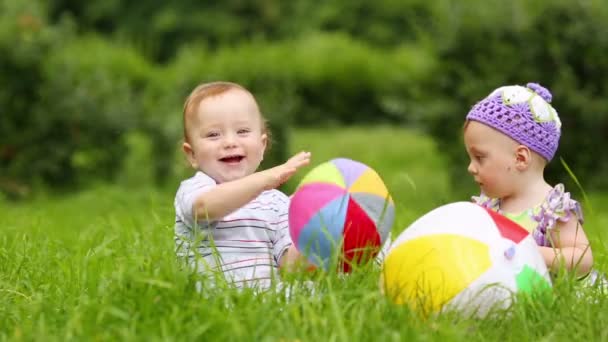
540 108
542 111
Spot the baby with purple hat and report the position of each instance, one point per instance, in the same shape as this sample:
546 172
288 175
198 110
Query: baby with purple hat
510 136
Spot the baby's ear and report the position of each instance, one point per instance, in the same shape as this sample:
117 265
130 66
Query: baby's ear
189 152
264 143
523 157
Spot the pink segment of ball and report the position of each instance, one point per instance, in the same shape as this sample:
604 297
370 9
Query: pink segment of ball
307 202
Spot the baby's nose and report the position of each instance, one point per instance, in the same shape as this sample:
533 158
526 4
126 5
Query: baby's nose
471 168
229 140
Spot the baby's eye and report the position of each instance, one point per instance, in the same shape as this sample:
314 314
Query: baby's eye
212 135
243 131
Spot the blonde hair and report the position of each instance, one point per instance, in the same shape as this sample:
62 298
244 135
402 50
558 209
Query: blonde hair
211 89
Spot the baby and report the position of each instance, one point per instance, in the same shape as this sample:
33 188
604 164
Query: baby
510 136
230 219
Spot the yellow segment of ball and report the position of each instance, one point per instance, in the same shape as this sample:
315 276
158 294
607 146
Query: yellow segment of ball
370 182
324 173
428 271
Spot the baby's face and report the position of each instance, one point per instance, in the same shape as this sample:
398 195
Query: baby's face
492 159
226 139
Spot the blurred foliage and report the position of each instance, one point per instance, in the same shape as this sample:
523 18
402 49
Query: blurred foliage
87 104
25 40
160 28
66 102
80 79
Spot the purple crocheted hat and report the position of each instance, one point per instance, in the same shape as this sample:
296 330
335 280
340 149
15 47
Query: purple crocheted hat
524 114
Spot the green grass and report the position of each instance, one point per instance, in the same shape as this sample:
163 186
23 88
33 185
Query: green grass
99 265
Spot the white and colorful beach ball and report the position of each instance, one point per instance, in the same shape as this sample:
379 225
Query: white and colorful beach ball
464 257
341 208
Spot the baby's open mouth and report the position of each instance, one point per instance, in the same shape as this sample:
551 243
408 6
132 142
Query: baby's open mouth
232 159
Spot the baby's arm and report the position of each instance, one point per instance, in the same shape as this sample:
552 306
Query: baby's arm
228 197
572 248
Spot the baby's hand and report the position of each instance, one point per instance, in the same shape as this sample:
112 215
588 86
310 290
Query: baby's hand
280 174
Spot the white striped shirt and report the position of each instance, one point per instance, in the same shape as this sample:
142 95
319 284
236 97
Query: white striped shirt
245 245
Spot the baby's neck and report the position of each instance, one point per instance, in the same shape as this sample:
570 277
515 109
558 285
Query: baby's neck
528 196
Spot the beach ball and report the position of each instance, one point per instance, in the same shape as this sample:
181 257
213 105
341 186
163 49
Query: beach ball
340 209
463 257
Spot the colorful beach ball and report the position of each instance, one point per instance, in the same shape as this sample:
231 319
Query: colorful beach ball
341 210
464 257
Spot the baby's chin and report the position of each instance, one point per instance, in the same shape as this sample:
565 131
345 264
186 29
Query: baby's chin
227 172
491 194
229 177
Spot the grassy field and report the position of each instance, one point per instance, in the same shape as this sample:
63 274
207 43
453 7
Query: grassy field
99 265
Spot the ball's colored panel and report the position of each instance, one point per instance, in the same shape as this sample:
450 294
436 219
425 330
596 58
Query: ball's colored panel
507 228
322 234
429 271
307 201
530 281
361 238
350 169
370 182
324 173
379 210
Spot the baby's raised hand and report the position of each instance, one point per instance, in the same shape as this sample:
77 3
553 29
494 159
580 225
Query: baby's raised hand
281 173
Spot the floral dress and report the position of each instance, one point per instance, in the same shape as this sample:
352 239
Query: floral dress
539 220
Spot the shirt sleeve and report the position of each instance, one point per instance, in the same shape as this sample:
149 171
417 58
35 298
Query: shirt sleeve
282 239
186 195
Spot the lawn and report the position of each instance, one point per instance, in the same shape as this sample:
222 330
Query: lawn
99 265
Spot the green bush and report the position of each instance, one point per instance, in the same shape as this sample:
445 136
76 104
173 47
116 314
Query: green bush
25 40
160 28
346 81
92 95
66 102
